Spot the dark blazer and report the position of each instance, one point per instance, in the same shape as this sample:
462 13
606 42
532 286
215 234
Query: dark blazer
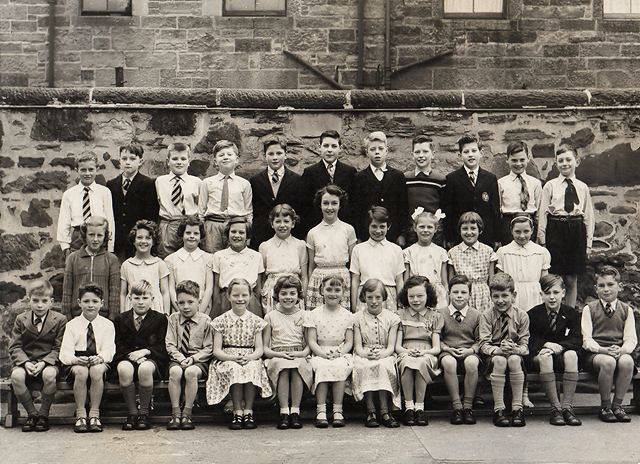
141 202
315 177
264 201
568 332
151 336
29 345
460 196
391 192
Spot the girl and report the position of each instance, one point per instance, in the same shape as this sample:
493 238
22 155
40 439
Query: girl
330 337
374 365
330 244
282 254
525 261
286 349
191 263
145 266
237 349
377 258
236 262
418 345
473 259
426 258
92 263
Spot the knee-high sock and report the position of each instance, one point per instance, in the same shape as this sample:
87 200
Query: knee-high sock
548 381
569 383
497 387
145 398
517 383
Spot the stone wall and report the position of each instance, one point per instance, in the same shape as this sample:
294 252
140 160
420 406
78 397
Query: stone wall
540 44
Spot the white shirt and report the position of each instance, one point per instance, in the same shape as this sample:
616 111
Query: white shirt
463 311
71 211
190 194
629 337
275 186
75 339
426 173
475 173
240 196
510 188
379 172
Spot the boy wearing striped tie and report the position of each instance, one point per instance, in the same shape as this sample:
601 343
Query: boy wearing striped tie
189 343
88 346
82 201
504 340
178 194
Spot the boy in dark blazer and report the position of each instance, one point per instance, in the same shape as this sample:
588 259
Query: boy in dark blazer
379 185
35 345
554 343
134 197
274 186
471 188
140 352
329 170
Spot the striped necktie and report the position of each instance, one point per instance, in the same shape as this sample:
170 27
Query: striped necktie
457 316
91 340
137 322
36 323
86 205
553 321
125 185
176 194
186 335
472 178
608 309
524 194
331 169
504 328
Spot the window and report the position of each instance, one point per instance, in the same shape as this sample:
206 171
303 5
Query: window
476 8
105 7
254 8
622 7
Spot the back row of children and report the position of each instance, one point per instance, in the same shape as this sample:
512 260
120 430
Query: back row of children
392 352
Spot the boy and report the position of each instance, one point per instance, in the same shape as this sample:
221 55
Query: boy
460 345
609 336
88 346
424 187
566 221
134 197
140 352
82 201
223 195
178 194
190 346
471 188
519 192
379 185
504 339
276 185
329 170
35 344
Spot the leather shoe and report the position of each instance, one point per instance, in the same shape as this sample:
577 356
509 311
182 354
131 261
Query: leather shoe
517 419
81 425
248 422
500 419
186 423
421 418
174 424
469 416
372 420
131 423
456 417
143 422
236 423
409 417
322 423
389 421
43 424
285 422
570 418
95 426
338 421
606 415
621 415
556 418
478 402
296 423
30 424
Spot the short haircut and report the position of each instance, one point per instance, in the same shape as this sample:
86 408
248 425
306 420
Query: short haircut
517 147
550 280
142 287
236 220
471 217
564 148
332 279
222 144
378 214
238 281
417 281
40 287
87 156
90 287
501 282
188 287
460 279
467 139
283 210
371 285
191 221
287 281
178 147
331 134
376 135
145 224
607 270
421 139
331 189
274 140
133 148
520 218
95 221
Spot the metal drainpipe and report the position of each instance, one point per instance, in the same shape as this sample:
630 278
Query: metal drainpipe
52 44
360 75
386 80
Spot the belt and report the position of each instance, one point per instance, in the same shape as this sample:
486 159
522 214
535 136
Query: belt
564 218
216 218
177 219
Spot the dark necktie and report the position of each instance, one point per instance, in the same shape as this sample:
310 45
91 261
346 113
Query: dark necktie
553 320
331 169
125 185
504 328
275 177
224 197
86 204
36 323
457 316
524 194
176 194
184 339
608 309
570 196
137 322
91 340
472 178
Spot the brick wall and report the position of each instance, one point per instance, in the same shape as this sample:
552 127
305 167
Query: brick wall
541 44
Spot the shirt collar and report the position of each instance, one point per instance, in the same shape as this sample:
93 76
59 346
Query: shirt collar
377 316
463 311
230 176
149 261
87 321
414 312
91 186
426 173
279 241
573 177
513 176
183 320
614 304
383 168
475 171
326 165
475 246
509 313
184 254
325 223
279 171
374 243
237 318
130 178
244 250
33 316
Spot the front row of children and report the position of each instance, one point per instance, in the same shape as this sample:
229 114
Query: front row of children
373 354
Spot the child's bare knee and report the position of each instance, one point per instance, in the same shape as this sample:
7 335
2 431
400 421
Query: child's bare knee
499 363
18 376
175 373
81 373
192 373
146 370
625 362
96 373
515 363
449 364
570 357
471 362
49 375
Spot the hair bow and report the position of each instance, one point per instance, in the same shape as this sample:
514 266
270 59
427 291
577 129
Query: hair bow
439 214
418 211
